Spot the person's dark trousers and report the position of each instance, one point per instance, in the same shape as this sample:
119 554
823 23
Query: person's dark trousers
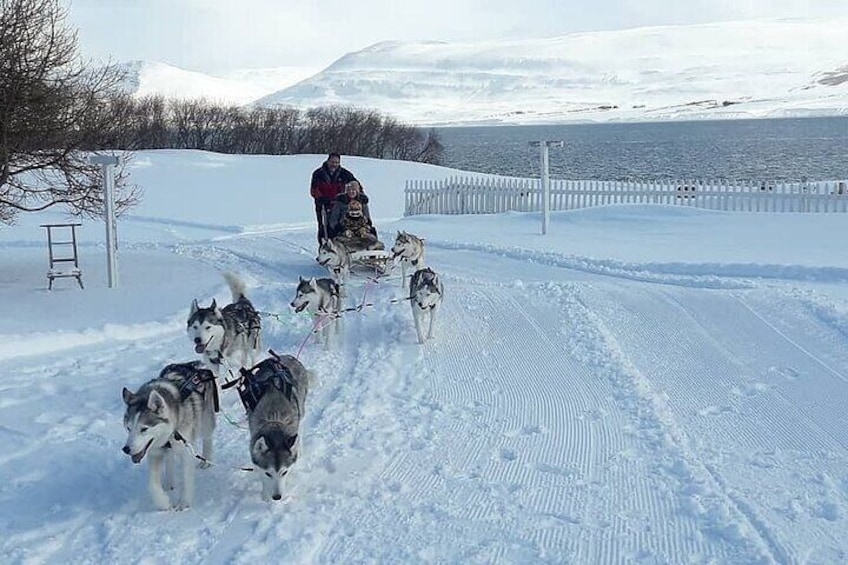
321 216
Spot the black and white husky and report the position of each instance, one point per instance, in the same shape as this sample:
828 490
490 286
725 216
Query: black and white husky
322 298
335 257
163 417
409 250
274 395
231 335
425 296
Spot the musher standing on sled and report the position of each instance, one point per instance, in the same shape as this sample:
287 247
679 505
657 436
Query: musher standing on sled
328 181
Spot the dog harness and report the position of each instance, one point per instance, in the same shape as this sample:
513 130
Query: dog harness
193 378
255 383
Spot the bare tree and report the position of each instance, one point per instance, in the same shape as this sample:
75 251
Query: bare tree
52 112
433 151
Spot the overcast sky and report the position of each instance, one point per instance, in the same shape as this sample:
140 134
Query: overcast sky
222 35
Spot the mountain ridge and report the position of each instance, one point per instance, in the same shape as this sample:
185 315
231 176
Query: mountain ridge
752 69
649 73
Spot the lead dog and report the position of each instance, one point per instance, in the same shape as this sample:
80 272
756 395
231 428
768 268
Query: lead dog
274 396
322 298
425 296
163 418
409 249
230 335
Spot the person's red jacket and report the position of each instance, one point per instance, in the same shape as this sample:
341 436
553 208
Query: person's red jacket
326 185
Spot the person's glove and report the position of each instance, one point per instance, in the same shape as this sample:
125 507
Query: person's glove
348 234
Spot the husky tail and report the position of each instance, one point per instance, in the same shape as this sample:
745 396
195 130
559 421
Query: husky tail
236 286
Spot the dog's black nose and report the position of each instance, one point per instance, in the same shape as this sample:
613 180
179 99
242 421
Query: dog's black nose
126 449
197 340
277 496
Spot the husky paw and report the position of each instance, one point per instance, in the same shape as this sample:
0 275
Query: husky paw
182 505
204 465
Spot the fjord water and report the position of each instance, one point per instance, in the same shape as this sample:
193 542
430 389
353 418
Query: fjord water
773 149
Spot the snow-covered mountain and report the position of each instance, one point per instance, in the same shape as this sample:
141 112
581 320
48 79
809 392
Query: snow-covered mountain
273 78
236 87
708 71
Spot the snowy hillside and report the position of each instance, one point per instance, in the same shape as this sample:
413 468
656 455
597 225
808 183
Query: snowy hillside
273 78
722 70
236 87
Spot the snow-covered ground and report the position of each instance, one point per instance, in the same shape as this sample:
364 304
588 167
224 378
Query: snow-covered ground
644 384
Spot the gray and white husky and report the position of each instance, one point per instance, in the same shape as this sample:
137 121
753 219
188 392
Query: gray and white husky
163 417
274 395
335 257
409 249
232 334
322 298
425 295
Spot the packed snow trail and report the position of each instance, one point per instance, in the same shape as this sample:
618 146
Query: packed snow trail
572 415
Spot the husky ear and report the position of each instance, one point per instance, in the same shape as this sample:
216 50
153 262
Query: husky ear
312 283
155 402
300 279
289 443
194 308
128 396
214 306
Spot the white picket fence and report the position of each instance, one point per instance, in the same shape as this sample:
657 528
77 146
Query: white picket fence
489 195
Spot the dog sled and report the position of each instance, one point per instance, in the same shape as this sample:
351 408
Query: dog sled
367 255
363 251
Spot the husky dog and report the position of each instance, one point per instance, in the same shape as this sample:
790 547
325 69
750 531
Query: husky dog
163 417
320 297
274 395
425 295
335 257
409 249
231 334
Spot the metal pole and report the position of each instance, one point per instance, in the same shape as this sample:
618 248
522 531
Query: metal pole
546 187
107 162
545 179
111 244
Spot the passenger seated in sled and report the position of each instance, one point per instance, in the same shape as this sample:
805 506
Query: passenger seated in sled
350 220
355 231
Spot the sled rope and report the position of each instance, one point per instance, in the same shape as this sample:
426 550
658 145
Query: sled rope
179 438
231 421
293 244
